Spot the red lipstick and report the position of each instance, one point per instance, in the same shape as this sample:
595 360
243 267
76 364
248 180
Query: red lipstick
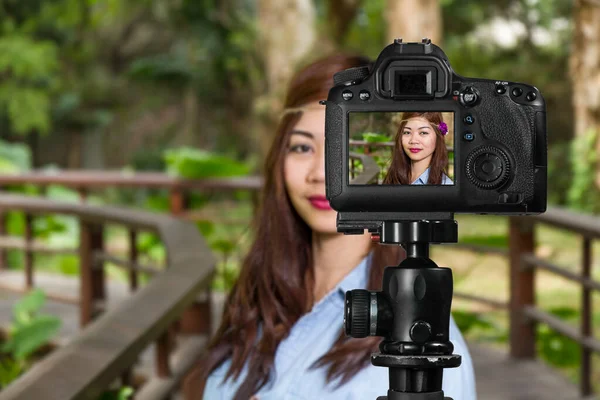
413 150
320 202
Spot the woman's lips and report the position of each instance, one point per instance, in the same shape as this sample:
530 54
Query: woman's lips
320 202
415 150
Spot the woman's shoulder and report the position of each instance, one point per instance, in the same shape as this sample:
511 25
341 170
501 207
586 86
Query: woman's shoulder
446 180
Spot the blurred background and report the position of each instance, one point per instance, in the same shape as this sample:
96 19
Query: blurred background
193 89
105 84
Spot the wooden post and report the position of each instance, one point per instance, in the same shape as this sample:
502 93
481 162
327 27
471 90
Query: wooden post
133 258
83 193
91 271
177 201
522 294
163 348
586 321
28 251
196 319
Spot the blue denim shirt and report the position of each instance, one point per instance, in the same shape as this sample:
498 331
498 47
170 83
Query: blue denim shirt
422 179
311 337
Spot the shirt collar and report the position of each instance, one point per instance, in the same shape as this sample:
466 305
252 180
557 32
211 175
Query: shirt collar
422 179
357 278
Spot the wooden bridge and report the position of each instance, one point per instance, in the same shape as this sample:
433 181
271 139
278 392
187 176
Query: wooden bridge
156 331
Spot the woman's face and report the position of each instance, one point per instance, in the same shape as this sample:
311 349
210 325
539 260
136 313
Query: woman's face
304 171
418 139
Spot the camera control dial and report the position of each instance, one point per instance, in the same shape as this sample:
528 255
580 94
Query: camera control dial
488 167
469 96
350 75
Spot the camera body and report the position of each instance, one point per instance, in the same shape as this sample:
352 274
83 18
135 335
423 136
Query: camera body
497 131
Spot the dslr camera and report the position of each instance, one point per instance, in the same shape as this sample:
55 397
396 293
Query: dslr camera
409 136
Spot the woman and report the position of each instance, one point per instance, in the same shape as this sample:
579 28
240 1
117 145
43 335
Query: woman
420 156
281 334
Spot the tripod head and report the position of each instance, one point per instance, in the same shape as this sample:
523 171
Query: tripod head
411 313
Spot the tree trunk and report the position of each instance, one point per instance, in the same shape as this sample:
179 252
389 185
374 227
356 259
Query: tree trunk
75 146
287 33
585 71
413 20
340 14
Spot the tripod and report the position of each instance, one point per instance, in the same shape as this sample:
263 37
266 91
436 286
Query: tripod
412 312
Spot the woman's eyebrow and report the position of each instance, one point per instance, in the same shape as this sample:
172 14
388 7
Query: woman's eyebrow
303 133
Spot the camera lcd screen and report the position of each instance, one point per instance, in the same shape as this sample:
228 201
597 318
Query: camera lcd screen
401 148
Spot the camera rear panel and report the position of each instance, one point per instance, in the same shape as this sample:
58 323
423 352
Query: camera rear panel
495 138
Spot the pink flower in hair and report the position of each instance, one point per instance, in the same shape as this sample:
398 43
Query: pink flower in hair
443 128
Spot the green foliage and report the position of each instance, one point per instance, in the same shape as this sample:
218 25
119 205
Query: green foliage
28 338
123 393
555 348
479 324
559 173
31 66
30 329
14 158
371 137
192 163
583 194
10 370
28 333
500 241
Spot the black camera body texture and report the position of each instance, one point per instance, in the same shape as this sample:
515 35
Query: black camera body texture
500 149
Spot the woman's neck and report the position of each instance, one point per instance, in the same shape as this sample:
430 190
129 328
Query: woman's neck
334 256
418 167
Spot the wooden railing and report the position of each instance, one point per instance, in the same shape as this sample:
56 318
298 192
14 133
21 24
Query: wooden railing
370 170
370 149
523 313
171 309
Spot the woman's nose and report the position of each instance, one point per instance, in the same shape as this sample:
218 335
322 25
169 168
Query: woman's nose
317 170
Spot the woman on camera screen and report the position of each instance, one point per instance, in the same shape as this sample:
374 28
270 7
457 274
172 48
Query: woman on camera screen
281 333
420 156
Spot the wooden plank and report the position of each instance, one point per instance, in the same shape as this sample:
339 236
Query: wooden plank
102 179
36 246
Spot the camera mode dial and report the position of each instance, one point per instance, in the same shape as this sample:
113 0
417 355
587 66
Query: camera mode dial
488 167
469 96
350 75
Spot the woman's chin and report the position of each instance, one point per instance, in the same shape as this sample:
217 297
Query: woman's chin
324 224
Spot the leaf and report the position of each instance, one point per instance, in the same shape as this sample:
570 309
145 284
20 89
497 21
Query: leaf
499 241
9 371
206 227
192 163
27 339
222 245
28 306
467 321
123 393
375 137
14 157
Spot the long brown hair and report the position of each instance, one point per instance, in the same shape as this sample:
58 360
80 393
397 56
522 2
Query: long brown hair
399 171
275 286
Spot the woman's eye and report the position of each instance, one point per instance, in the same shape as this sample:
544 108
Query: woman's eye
406 132
424 133
300 148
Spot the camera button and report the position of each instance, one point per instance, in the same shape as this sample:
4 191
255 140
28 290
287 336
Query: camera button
531 96
469 119
517 92
469 96
347 95
468 136
364 95
500 89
